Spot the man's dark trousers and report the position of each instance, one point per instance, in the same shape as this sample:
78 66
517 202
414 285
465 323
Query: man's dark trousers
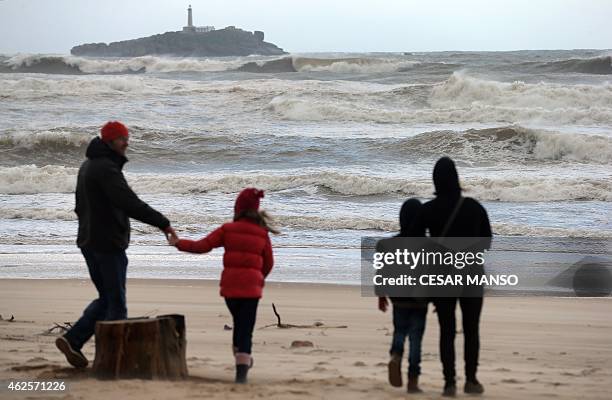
470 310
108 274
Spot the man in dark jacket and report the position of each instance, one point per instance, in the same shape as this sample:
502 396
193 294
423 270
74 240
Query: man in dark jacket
451 215
104 205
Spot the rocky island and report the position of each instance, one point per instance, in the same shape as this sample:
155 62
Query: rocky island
192 41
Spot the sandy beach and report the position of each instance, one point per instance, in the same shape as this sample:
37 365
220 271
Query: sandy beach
532 348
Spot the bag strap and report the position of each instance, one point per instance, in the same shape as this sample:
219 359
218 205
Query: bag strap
452 217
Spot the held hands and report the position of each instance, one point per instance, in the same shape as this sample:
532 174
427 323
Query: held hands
171 236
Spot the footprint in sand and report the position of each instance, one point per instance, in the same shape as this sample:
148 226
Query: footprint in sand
589 371
359 364
299 392
36 359
23 368
511 380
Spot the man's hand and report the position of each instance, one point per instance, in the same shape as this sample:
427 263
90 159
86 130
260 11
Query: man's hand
383 303
171 236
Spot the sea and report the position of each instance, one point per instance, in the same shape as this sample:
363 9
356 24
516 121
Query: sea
337 141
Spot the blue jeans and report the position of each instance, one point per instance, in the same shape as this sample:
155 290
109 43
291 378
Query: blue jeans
409 322
108 273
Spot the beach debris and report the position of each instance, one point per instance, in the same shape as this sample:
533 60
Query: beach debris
12 319
301 343
65 327
317 324
227 327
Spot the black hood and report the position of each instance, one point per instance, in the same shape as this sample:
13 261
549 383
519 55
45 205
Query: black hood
408 214
98 149
445 178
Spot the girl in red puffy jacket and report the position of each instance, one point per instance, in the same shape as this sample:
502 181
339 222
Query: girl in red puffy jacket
246 263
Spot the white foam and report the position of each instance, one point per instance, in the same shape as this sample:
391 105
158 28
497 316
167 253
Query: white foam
193 224
34 88
512 144
50 214
28 179
461 90
461 99
505 229
352 66
58 179
47 138
127 65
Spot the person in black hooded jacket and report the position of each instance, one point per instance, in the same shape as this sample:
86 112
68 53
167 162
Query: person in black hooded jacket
104 205
451 215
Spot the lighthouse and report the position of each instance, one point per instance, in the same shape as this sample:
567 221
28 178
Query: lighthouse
191 28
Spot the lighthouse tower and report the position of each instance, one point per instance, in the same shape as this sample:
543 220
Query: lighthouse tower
189 27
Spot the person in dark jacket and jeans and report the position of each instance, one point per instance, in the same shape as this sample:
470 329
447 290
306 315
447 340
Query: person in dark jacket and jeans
409 317
451 215
104 205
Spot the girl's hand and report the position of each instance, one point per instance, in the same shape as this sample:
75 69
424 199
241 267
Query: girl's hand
172 239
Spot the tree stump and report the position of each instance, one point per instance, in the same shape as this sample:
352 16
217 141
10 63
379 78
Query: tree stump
144 348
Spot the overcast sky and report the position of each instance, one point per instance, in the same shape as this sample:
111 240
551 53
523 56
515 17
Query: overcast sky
54 26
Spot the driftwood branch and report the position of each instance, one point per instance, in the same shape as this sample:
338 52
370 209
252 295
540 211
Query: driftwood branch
60 328
280 325
278 318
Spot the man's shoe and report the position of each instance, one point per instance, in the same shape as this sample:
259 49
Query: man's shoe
450 389
413 384
395 370
473 387
73 356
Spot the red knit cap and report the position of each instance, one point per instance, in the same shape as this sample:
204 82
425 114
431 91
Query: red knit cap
113 130
248 199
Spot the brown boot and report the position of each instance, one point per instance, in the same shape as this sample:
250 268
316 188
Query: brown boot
413 384
395 370
244 361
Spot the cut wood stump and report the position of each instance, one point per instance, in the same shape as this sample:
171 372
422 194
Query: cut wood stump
142 348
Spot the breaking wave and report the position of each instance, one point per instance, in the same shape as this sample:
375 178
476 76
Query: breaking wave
597 65
74 65
71 65
350 65
193 223
58 138
31 179
510 144
462 99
